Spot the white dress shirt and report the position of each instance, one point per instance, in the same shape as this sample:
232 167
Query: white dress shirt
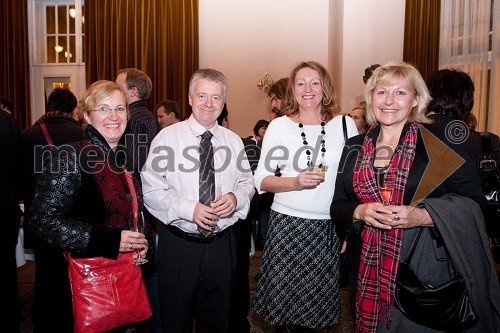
170 177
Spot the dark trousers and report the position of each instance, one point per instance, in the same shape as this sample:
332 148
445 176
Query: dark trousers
241 298
195 281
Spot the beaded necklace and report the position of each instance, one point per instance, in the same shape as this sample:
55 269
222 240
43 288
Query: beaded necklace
304 141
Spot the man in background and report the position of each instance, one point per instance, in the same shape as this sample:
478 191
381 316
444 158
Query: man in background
167 113
264 201
276 92
50 264
141 129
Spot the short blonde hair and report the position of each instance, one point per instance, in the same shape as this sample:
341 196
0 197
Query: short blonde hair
98 91
411 76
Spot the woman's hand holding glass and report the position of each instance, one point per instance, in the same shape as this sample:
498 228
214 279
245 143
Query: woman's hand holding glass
137 224
374 214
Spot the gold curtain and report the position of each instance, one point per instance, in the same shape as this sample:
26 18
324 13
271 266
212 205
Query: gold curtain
158 37
421 37
14 68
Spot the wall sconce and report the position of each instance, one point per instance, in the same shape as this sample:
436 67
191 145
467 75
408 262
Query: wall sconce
58 48
265 82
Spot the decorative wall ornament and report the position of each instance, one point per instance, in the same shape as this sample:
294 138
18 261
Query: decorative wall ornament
265 82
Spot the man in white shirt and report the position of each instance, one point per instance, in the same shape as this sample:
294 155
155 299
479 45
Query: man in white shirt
196 264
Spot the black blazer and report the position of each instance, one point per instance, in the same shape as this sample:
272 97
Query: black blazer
464 181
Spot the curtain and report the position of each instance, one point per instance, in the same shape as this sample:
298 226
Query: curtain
158 37
14 68
421 35
494 117
465 44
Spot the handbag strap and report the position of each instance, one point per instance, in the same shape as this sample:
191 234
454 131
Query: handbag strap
133 193
46 134
344 128
414 245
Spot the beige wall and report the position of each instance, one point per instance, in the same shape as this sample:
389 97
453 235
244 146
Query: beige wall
244 39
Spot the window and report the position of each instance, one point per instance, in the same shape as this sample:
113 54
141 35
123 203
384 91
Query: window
60 32
468 41
56 56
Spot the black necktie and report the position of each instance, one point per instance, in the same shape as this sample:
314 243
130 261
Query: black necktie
207 176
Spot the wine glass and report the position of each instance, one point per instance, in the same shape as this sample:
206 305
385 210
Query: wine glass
213 203
384 189
136 223
320 169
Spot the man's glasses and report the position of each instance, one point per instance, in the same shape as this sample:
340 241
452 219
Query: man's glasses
105 110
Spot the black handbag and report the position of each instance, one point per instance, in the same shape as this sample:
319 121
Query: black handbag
446 307
490 184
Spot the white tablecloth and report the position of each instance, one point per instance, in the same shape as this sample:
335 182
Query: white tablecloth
22 254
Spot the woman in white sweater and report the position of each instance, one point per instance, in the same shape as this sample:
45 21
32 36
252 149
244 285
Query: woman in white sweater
298 287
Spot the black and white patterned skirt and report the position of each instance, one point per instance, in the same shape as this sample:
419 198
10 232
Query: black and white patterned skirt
299 274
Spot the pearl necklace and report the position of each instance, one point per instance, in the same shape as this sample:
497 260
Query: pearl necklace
304 141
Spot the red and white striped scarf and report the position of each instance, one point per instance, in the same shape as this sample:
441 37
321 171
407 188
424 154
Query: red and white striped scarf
381 248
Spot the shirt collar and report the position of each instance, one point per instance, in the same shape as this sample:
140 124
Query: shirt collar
197 129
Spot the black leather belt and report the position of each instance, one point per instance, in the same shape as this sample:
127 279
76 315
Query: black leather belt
196 238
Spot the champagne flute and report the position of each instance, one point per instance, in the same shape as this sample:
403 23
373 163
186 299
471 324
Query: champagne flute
213 204
385 191
136 223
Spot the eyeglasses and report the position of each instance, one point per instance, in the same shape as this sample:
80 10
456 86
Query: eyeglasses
105 110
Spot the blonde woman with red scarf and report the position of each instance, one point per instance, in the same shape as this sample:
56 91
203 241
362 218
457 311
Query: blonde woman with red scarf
395 153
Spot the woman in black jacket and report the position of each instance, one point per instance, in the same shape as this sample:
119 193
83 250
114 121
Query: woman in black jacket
82 202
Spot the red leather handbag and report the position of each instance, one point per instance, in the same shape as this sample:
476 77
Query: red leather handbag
107 293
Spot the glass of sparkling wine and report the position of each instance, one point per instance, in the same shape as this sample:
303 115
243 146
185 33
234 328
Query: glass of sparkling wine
136 223
385 191
319 169
213 204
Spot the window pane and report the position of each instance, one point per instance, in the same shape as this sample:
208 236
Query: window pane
62 26
50 19
63 41
72 15
51 51
72 49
